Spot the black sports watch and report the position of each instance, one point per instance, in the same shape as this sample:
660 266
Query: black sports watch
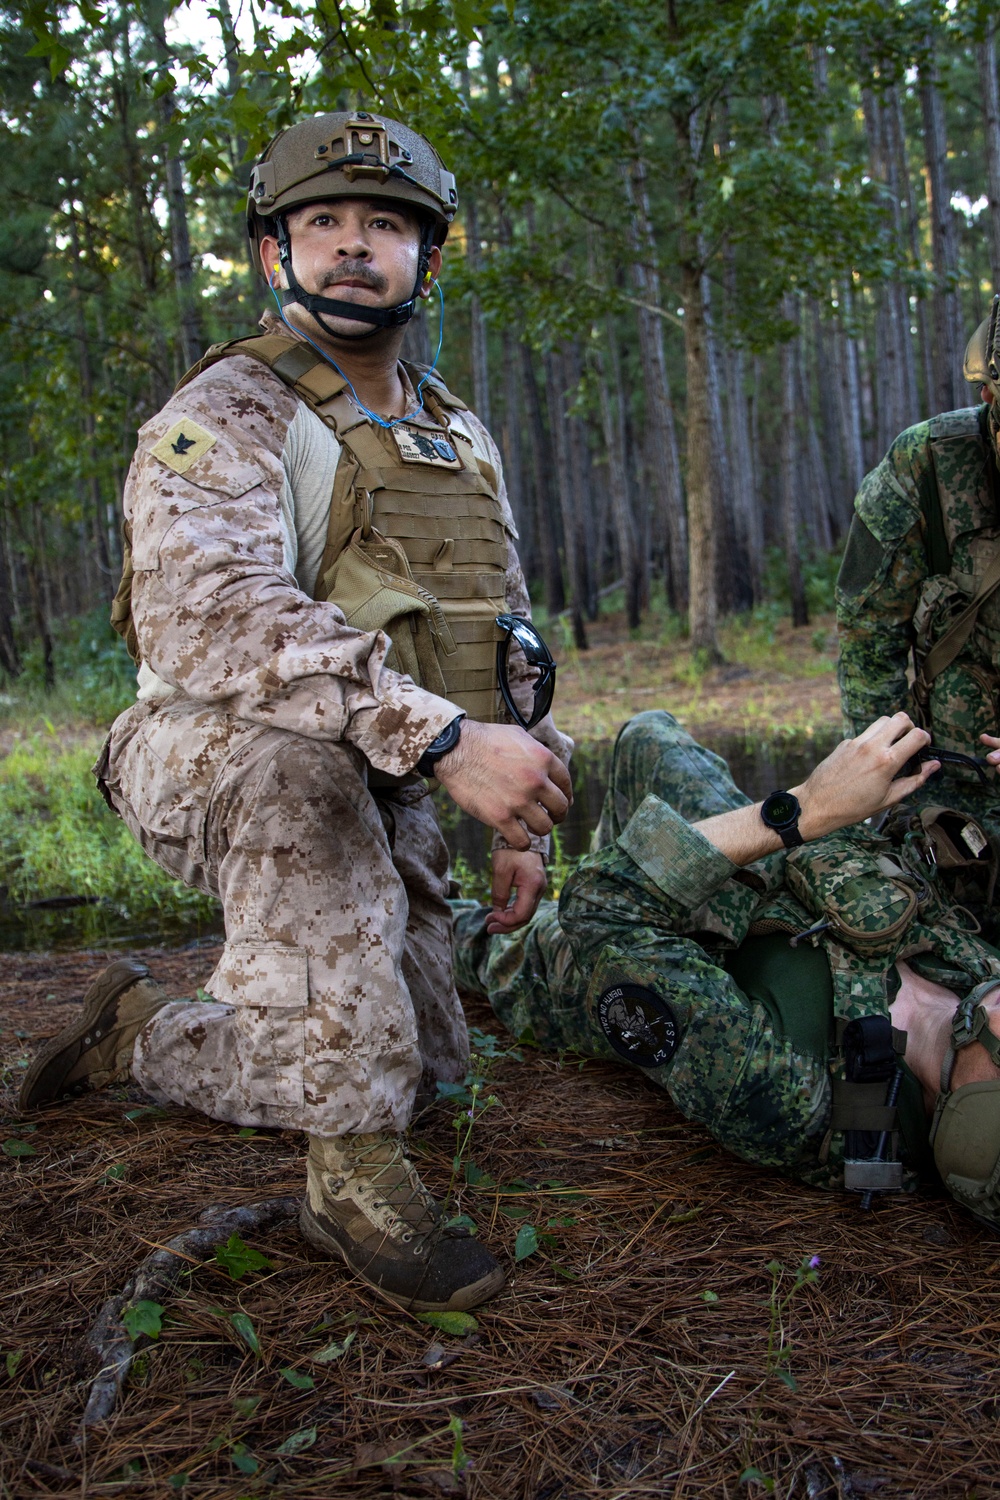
443 745
780 812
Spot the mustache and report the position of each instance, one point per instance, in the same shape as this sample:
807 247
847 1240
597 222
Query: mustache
355 270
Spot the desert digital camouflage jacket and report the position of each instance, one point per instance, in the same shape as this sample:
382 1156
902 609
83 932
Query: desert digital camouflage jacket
926 526
228 499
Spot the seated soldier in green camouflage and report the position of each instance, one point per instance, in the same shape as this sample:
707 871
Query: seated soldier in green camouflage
918 597
858 1057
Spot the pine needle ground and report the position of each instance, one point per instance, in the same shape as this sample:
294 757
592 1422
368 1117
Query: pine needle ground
628 1356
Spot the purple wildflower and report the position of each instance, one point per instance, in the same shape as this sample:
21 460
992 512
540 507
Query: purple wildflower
814 1263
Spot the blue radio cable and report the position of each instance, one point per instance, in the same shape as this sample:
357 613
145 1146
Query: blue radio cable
374 416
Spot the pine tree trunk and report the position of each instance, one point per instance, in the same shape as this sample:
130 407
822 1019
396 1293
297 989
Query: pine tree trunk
949 343
192 336
10 657
546 502
789 479
477 320
510 447
898 404
910 216
581 479
850 395
989 107
703 609
663 459
572 540
613 426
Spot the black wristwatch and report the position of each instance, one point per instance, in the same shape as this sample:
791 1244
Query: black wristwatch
443 745
780 812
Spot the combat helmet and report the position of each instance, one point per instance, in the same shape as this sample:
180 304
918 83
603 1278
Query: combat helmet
965 1131
982 353
349 155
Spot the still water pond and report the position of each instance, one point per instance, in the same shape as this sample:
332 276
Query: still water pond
758 766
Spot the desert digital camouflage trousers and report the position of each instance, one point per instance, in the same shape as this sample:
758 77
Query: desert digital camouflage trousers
334 993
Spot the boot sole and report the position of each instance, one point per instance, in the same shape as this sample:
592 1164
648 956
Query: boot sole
461 1301
110 983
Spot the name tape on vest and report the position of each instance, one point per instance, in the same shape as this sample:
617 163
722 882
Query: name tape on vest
416 447
183 445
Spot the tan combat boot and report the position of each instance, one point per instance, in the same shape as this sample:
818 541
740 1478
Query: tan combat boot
96 1049
366 1204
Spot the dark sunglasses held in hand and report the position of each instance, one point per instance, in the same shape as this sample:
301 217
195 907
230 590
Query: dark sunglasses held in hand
524 635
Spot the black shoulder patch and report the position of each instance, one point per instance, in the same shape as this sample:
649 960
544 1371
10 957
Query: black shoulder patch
640 1026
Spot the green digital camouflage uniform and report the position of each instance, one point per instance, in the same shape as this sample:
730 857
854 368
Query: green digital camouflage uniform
753 1020
924 532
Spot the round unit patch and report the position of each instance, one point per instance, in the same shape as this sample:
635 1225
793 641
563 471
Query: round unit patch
639 1025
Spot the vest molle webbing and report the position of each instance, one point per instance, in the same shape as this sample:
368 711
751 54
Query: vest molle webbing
416 547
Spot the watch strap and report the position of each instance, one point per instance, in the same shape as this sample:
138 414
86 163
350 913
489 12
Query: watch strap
440 747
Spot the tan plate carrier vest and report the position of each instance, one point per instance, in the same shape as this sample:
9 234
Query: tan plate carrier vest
416 549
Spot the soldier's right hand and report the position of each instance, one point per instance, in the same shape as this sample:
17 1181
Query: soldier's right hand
503 777
863 776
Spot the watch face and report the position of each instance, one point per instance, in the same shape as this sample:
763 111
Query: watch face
780 808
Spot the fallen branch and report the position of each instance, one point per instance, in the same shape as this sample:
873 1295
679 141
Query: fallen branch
108 1340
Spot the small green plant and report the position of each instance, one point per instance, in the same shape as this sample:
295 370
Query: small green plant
779 1348
473 1101
143 1319
460 1461
239 1259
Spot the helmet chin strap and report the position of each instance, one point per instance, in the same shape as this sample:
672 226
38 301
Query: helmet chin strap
379 317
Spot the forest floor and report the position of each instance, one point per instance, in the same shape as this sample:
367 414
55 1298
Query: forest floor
653 1344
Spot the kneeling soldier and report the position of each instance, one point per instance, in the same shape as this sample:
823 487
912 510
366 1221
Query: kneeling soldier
320 579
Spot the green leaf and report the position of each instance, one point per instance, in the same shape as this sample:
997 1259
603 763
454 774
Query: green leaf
515 1211
462 1221
709 1296
178 1481
788 1379
245 1133
526 1243
18 1148
115 1173
453 1091
12 1362
458 1323
476 1177
334 1351
245 1406
146 1112
143 1318
304 1438
295 1377
237 1258
243 1459
245 1329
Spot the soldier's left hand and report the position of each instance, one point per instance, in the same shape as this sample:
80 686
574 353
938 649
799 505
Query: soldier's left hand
993 743
525 870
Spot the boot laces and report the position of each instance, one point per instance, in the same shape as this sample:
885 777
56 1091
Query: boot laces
401 1189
